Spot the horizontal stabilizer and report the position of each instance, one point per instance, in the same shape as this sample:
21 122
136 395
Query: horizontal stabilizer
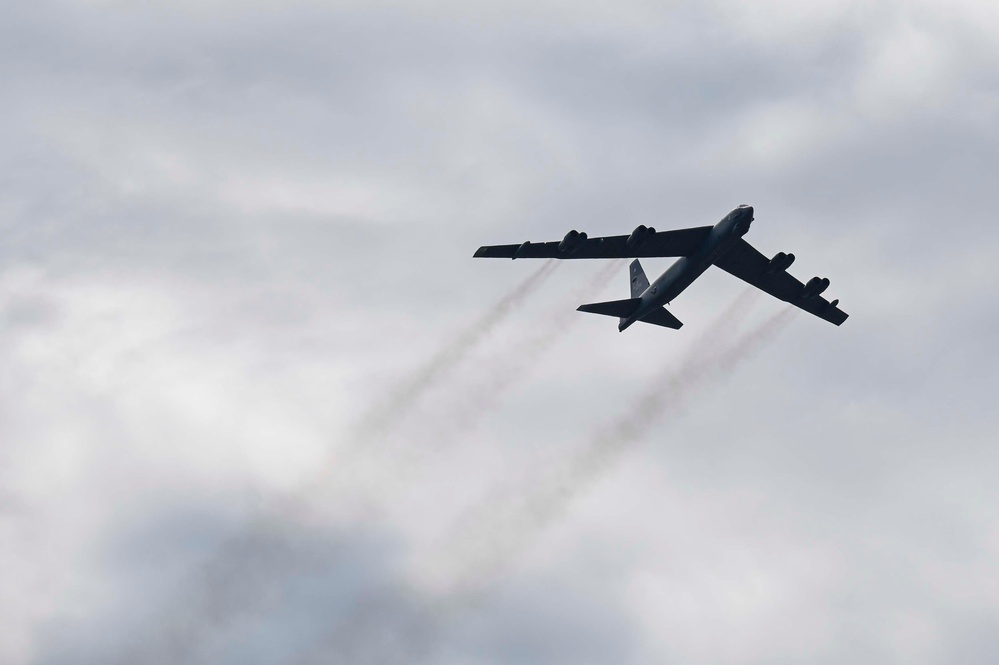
662 317
619 308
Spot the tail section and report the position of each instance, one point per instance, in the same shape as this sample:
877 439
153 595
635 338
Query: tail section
626 309
639 282
619 308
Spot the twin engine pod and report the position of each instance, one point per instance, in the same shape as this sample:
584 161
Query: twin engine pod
572 241
815 287
640 236
780 262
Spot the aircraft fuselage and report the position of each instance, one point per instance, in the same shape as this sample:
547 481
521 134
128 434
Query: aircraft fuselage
682 274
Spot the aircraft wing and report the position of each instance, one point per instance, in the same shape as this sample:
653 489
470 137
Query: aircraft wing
746 263
680 242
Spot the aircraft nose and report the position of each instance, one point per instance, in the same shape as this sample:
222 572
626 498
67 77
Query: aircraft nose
747 211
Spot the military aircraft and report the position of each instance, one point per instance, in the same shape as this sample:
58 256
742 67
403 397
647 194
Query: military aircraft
698 249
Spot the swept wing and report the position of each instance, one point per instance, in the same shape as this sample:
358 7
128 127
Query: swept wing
681 242
745 262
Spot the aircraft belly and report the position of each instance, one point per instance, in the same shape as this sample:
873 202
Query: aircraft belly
673 283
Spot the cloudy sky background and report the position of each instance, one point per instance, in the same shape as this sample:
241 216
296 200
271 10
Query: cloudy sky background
234 232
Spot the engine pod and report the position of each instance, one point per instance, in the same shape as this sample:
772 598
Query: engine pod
780 262
640 236
572 242
815 287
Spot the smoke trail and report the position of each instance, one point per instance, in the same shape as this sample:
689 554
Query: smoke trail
498 375
724 326
502 528
245 574
365 471
400 400
516 362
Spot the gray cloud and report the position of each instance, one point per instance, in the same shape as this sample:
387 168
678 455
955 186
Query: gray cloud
229 228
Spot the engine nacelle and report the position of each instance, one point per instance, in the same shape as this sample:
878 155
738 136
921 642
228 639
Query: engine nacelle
572 241
780 262
815 287
522 249
640 236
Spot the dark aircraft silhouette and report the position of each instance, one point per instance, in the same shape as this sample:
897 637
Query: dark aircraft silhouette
698 248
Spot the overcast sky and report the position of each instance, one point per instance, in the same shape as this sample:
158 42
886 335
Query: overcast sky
258 404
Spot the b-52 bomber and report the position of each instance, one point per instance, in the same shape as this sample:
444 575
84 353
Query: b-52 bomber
698 249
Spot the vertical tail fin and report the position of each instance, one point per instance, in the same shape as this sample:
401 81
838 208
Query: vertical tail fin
639 282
